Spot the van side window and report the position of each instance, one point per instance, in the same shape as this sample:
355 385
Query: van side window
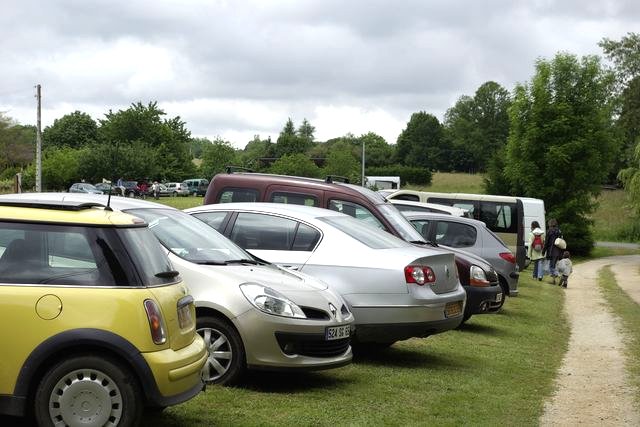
268 232
234 195
293 198
355 210
499 217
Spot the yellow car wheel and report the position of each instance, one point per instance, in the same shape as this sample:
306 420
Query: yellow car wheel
88 391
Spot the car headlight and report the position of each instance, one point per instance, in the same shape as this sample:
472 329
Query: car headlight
477 277
271 301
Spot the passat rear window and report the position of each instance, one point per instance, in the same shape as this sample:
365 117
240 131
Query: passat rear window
364 233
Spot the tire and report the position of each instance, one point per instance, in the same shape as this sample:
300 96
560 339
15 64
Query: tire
90 391
505 292
226 363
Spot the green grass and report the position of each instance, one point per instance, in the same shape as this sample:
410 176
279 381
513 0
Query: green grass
612 220
453 183
628 311
496 370
180 202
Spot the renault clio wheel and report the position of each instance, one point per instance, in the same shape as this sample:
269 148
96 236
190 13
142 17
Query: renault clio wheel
226 362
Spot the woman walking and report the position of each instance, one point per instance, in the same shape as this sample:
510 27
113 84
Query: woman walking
551 251
536 248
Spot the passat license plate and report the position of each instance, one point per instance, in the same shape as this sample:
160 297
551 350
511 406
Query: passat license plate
337 332
452 309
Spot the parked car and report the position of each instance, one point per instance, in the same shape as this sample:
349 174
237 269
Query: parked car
177 189
409 206
82 187
196 187
477 276
131 189
395 290
469 235
253 315
106 187
97 324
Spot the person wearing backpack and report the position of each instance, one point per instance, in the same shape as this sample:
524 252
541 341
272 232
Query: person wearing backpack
551 251
536 248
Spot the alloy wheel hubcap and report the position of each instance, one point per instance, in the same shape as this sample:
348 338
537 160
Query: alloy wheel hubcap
220 354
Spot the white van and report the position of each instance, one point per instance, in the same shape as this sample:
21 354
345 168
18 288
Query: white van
509 217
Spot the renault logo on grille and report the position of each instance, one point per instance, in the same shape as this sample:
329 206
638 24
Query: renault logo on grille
333 310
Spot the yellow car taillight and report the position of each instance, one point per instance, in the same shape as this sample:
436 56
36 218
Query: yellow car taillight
156 323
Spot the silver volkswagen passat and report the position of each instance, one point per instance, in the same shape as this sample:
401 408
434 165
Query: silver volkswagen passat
252 315
394 289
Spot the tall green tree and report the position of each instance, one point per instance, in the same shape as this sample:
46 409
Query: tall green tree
478 126
625 54
562 141
422 143
290 142
73 130
377 151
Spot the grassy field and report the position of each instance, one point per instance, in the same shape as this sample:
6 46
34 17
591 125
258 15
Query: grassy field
496 370
629 314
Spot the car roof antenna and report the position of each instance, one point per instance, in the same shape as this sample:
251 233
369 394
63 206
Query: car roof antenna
108 207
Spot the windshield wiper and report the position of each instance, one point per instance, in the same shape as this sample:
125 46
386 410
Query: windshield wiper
209 262
242 261
423 242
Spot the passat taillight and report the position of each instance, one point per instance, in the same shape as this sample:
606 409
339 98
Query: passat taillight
508 256
156 323
419 274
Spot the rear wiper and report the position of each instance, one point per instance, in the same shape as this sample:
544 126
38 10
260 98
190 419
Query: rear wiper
242 261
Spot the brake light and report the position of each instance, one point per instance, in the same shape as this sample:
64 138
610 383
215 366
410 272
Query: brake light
508 256
156 323
419 274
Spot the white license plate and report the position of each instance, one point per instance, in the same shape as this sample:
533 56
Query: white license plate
337 332
452 309
499 297
184 317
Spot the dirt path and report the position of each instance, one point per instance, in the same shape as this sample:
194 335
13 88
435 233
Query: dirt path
591 386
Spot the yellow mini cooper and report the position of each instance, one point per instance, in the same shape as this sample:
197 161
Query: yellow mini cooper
96 324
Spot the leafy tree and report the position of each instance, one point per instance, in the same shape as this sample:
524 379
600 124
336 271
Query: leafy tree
625 54
60 169
197 145
216 157
377 152
73 130
562 141
478 127
17 146
342 162
305 131
296 164
255 150
290 142
422 143
163 144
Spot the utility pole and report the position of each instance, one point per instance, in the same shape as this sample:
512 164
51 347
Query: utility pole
38 144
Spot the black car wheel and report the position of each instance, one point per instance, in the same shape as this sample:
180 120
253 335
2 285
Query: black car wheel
226 362
89 391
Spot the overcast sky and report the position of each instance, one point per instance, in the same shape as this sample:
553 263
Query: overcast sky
236 69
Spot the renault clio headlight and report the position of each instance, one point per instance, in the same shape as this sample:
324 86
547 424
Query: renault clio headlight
271 301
